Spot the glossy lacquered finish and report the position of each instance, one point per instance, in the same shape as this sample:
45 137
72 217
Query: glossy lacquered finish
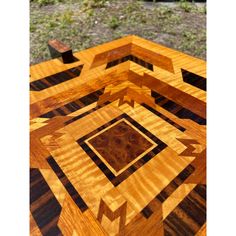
118 142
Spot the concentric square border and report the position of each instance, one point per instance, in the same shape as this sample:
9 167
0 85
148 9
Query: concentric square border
116 173
116 180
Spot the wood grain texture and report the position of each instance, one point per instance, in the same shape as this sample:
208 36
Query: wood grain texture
124 138
118 142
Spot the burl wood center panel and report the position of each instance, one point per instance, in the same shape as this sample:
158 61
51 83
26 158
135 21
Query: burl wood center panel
120 145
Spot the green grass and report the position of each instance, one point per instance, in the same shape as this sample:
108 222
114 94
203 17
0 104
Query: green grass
193 40
186 6
114 22
93 3
46 2
163 12
87 23
66 18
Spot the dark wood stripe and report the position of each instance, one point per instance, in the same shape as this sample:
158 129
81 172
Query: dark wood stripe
201 190
171 106
60 111
175 183
74 105
189 216
44 206
176 226
132 58
67 184
167 191
146 212
55 79
54 231
116 180
187 114
194 79
179 127
38 85
92 97
49 114
177 109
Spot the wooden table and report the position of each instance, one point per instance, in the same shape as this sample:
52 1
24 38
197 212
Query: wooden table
118 142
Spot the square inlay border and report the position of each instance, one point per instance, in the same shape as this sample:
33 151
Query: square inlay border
116 173
116 180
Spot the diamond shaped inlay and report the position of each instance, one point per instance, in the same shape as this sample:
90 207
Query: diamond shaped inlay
120 145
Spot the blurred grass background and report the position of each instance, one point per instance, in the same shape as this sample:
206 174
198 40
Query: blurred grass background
85 23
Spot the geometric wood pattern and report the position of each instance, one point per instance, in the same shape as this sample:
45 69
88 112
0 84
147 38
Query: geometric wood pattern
122 136
118 142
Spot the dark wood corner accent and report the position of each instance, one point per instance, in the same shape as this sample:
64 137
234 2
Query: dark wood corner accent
59 49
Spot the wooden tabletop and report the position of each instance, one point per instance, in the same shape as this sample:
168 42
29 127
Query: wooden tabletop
118 142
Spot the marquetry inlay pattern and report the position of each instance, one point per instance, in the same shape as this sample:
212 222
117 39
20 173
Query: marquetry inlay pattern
118 142
119 145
